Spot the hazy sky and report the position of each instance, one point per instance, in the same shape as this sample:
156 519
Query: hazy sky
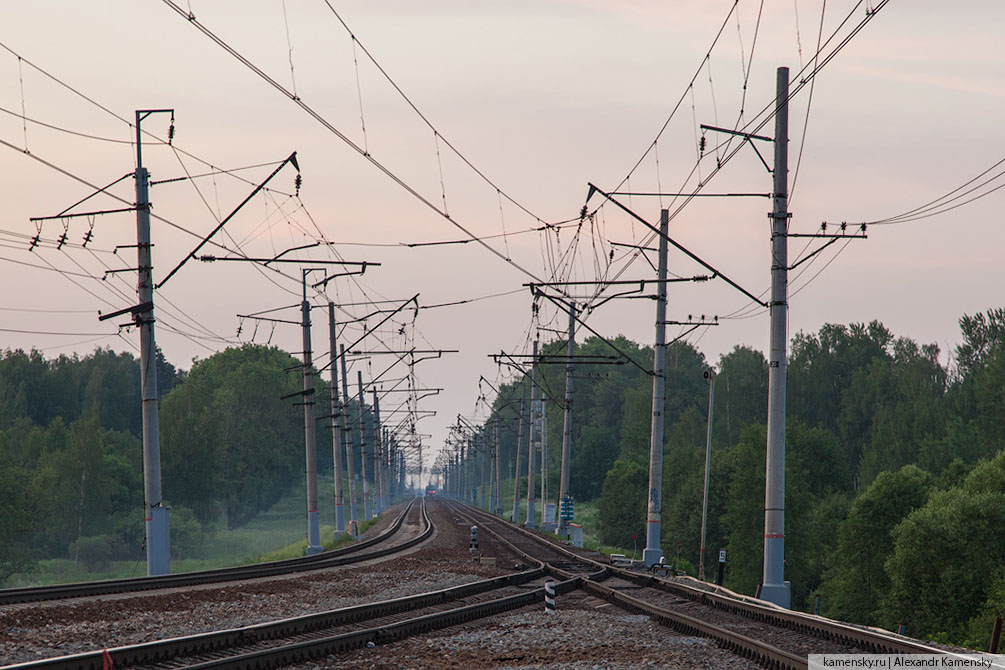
542 97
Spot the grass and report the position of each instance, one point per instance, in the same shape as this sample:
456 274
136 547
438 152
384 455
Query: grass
274 534
299 548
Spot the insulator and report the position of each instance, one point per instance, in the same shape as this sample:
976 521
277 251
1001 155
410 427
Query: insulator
171 133
701 144
298 181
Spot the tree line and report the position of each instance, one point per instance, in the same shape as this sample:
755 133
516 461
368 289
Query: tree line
71 455
895 476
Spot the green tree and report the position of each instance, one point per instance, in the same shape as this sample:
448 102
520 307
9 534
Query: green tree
227 436
622 504
683 483
741 393
892 406
982 334
17 514
945 554
815 479
857 580
595 454
743 519
821 367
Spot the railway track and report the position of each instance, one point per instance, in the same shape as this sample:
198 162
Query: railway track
760 632
381 545
771 636
317 635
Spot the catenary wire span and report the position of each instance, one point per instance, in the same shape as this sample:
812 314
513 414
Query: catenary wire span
325 123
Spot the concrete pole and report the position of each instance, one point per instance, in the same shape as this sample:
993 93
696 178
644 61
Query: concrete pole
654 512
310 434
156 515
385 454
455 476
710 376
497 480
531 521
378 452
469 473
378 455
485 459
543 433
401 469
516 471
462 464
367 512
774 588
563 488
347 439
336 425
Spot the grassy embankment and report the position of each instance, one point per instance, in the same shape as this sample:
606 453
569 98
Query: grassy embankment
275 534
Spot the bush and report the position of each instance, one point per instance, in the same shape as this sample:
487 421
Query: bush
186 533
94 552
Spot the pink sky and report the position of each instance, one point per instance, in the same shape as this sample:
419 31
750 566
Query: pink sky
542 97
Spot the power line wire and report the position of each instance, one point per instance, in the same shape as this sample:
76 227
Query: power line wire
321 119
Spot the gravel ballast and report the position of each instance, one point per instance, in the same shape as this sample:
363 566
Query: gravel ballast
571 639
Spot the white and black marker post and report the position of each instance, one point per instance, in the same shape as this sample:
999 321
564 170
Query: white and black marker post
549 596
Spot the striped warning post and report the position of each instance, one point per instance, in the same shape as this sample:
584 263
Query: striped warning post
549 596
473 544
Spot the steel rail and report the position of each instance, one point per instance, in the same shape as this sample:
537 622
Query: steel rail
761 652
873 641
325 559
869 640
313 649
600 573
219 643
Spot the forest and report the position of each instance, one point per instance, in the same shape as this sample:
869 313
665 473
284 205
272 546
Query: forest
71 455
895 476
895 471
